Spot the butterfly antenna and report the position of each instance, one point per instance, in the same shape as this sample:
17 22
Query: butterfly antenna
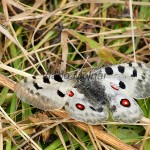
79 53
80 70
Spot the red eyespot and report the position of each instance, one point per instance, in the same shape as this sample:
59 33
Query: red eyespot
70 94
125 102
80 106
114 87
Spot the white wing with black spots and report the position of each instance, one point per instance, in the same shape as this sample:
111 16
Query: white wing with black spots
132 78
123 107
44 92
78 106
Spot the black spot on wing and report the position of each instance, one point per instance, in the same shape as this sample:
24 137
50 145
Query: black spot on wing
36 86
121 69
135 100
60 93
93 108
58 78
134 74
46 79
122 85
109 70
130 64
34 77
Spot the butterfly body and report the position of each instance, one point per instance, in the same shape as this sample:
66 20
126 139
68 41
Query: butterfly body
95 94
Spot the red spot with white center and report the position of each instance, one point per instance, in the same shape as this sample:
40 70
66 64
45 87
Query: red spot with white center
70 94
125 102
80 106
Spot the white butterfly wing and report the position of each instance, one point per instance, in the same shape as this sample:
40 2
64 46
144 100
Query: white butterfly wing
79 108
123 107
43 92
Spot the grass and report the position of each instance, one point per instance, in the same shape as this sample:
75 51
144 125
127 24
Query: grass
95 34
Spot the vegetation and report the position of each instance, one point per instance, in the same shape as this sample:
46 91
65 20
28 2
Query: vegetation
36 35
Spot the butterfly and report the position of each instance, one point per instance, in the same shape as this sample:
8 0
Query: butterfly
110 90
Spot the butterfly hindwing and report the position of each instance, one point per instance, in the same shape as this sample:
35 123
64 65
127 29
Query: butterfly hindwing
79 107
123 107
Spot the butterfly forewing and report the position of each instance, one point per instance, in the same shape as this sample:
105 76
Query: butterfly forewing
46 93
132 78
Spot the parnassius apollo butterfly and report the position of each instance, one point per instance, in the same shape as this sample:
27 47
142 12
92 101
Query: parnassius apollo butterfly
90 99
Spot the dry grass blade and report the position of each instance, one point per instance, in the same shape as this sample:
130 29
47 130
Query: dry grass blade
82 144
1 135
145 137
17 128
61 137
99 133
